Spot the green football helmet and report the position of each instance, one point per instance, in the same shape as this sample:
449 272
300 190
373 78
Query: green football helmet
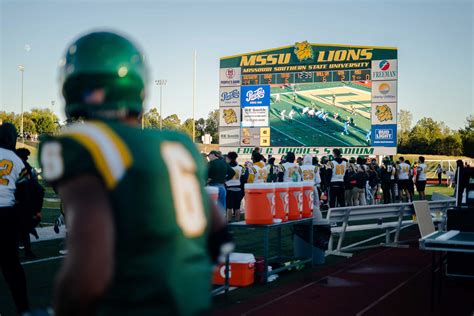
103 75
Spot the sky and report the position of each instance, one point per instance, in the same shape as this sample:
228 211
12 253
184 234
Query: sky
434 38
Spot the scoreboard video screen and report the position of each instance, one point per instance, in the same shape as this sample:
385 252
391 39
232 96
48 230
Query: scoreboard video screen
311 98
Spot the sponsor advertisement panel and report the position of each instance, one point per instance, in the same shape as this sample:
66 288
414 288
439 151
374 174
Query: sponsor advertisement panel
255 116
229 136
250 137
386 69
229 116
384 135
255 95
384 113
230 76
384 91
229 96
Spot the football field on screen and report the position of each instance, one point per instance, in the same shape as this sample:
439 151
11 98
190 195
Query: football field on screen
340 101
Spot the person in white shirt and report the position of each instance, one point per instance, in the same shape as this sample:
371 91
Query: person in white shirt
12 173
338 168
421 177
290 171
282 115
404 178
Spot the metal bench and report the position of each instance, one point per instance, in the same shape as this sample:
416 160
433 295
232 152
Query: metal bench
390 217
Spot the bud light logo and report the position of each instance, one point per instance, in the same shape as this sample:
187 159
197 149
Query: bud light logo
384 65
383 134
227 96
255 95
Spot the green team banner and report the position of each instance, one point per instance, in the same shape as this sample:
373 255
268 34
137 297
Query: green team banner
304 56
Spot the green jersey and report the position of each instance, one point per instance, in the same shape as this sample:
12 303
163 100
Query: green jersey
155 183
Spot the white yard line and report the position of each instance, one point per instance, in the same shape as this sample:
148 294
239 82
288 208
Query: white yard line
41 260
288 136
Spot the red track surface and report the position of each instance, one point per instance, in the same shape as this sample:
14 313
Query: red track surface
385 281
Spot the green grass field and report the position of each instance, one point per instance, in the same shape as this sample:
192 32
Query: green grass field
308 131
40 275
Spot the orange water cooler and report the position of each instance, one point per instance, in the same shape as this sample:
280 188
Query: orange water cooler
281 201
295 200
308 198
259 203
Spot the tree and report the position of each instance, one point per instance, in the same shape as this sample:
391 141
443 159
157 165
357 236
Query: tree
423 136
404 127
467 136
46 122
212 126
172 122
151 119
404 120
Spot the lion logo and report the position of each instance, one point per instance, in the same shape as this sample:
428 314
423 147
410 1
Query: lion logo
230 116
383 113
303 51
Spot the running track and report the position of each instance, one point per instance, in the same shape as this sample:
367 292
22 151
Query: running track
384 281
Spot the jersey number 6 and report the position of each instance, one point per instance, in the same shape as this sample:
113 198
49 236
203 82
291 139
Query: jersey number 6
186 189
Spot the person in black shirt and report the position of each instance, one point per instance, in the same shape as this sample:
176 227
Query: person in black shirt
218 173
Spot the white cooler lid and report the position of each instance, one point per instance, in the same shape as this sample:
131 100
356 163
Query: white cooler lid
238 257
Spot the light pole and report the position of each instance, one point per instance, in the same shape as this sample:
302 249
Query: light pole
161 83
21 68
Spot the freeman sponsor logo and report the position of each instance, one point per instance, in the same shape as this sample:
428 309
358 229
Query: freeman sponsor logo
227 96
384 69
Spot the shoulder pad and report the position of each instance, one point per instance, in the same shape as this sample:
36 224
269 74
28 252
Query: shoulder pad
90 147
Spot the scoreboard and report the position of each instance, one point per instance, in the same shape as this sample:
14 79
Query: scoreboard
307 77
313 96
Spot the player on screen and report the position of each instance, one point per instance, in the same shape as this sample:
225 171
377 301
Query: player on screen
282 115
333 99
291 115
346 128
368 137
311 113
305 110
140 226
277 98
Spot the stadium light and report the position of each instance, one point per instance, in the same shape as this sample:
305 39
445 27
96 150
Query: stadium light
21 68
161 83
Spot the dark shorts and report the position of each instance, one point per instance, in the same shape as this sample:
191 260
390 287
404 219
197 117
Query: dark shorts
233 199
420 186
404 184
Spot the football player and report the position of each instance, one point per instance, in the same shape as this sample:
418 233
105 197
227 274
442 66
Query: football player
289 170
12 174
140 225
